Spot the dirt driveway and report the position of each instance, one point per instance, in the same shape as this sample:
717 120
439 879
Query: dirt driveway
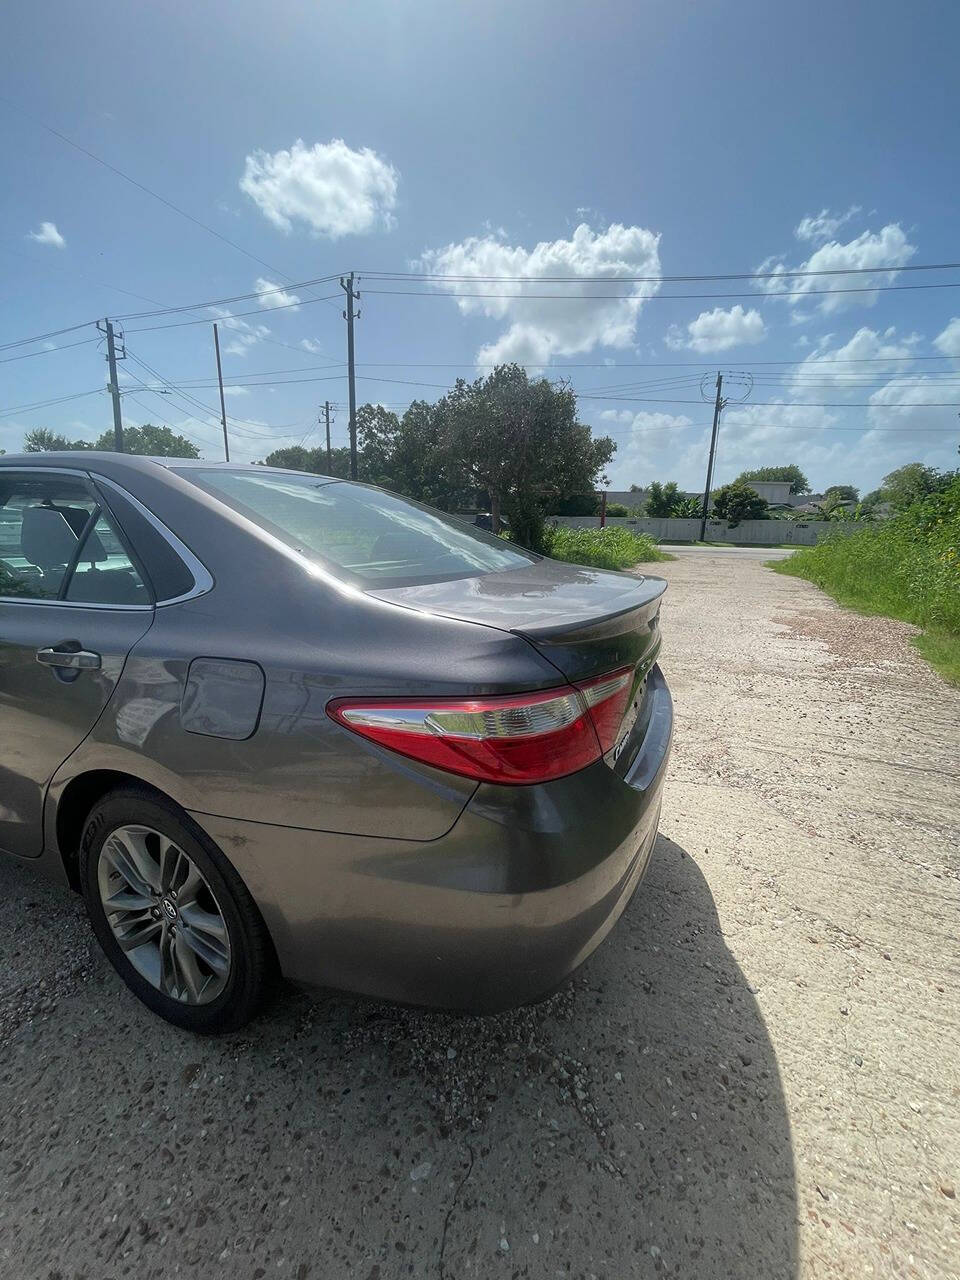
756 1076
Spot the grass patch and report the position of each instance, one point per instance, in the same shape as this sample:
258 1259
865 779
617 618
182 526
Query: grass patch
907 568
608 548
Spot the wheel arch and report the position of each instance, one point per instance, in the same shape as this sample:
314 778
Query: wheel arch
75 803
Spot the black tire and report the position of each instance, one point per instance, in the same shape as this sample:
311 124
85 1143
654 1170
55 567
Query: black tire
252 959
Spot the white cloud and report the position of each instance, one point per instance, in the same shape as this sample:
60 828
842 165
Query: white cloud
244 335
48 234
839 367
948 342
537 328
886 248
235 391
333 189
274 295
824 225
719 330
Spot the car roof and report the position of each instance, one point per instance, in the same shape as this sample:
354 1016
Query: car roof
90 459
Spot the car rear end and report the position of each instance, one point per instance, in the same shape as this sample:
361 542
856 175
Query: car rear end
559 773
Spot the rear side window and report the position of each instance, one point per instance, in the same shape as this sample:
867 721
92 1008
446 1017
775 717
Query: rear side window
169 576
56 543
366 535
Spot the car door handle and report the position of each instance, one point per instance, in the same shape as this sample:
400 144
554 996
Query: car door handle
76 659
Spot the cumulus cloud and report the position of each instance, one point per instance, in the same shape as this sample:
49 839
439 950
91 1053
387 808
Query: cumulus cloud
591 314
334 190
243 335
719 330
948 342
48 234
887 248
823 226
274 295
839 366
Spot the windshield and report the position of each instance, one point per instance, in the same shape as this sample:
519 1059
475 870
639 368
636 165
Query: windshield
364 534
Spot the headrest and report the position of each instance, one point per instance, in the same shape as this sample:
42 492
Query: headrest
49 536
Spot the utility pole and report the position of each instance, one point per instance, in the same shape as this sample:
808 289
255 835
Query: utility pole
114 387
346 284
326 410
223 407
717 406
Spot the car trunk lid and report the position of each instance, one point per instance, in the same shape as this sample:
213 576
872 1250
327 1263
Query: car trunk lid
584 621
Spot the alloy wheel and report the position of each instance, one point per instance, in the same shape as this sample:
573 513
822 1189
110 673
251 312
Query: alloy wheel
163 914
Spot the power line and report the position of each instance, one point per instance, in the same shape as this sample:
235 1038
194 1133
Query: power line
139 185
740 275
237 297
48 351
43 404
43 337
259 311
779 404
653 297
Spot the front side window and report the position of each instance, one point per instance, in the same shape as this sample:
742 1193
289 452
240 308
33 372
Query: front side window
56 543
365 535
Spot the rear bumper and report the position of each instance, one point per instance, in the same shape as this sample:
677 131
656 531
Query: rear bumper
495 913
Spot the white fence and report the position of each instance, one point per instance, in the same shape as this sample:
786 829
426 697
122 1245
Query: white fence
762 533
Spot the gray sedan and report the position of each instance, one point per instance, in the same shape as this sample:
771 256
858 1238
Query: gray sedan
268 722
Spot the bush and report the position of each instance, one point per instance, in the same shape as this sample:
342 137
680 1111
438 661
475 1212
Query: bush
907 567
616 509
608 548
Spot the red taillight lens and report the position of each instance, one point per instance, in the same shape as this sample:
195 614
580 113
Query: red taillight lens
607 697
518 738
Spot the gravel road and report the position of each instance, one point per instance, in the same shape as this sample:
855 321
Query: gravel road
755 1077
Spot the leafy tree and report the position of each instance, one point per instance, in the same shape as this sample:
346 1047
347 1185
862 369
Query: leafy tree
912 483
617 509
736 502
840 493
579 504
798 481
155 442
662 498
151 441
520 441
688 508
297 458
40 440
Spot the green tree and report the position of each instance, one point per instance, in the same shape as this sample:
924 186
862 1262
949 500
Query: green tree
911 483
798 481
617 509
151 442
840 493
297 458
662 498
154 442
577 504
40 440
520 441
736 502
689 508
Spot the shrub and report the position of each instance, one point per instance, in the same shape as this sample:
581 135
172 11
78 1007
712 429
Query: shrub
608 548
616 509
907 567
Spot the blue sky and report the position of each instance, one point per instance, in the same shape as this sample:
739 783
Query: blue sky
494 139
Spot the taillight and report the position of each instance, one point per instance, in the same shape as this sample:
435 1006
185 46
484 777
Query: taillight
607 697
516 738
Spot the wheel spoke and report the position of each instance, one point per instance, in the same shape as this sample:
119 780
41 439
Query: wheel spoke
192 980
128 900
128 854
135 930
209 945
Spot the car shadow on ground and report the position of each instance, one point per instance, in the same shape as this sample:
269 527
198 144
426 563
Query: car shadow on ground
631 1125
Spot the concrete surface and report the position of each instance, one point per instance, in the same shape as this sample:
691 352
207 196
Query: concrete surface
744 553
755 1077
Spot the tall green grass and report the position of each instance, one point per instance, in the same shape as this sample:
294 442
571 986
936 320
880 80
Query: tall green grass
907 567
608 548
